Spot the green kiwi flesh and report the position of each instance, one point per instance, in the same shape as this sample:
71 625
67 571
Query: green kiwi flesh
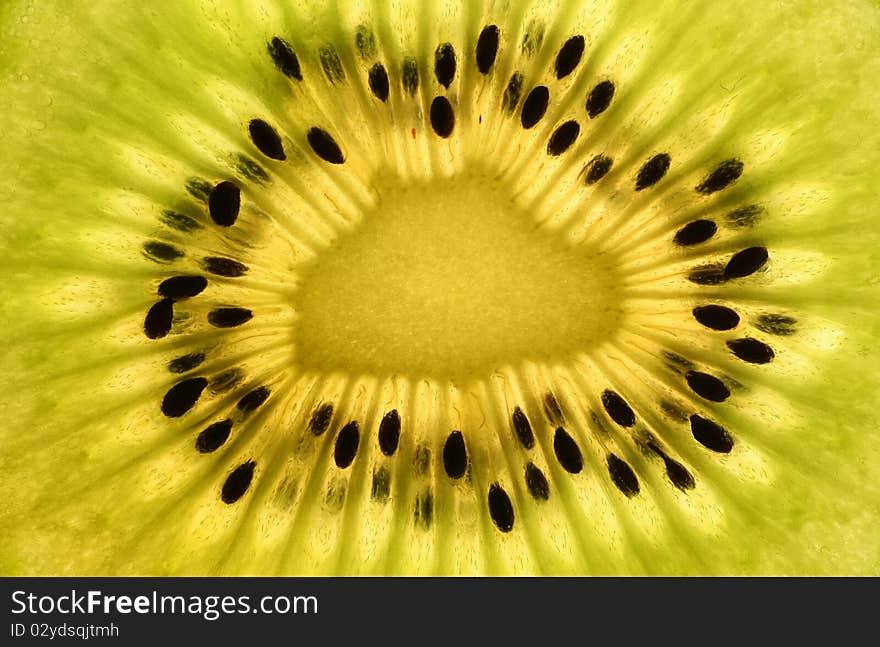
440 288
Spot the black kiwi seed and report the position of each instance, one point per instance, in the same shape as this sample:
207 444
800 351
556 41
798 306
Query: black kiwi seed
711 435
744 216
563 137
537 483
774 324
389 432
522 428
552 409
238 482
410 76
676 361
597 168
751 350
500 508
455 455
331 64
533 38
569 56
159 317
253 399
334 496
707 386
722 177
226 381
673 410
623 476
378 80
424 509
381 486
250 169
182 287
442 117
652 171
600 98
161 252
421 460
709 274
678 474
229 317
487 48
695 232
179 221
198 188
746 262
213 436
185 363
324 146
444 64
534 106
284 58
220 266
346 445
567 452
716 317
512 93
618 410
183 396
365 42
266 139
321 419
224 203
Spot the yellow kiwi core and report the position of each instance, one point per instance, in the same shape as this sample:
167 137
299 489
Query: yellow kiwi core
448 279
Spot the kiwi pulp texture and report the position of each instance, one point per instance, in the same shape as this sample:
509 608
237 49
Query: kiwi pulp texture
440 288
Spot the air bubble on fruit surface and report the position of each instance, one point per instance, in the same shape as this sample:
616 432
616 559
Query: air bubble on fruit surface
825 337
764 147
707 124
589 499
655 105
115 241
79 297
793 364
764 406
748 463
130 377
703 507
642 514
796 203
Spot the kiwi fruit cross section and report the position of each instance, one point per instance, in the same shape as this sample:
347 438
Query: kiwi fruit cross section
442 288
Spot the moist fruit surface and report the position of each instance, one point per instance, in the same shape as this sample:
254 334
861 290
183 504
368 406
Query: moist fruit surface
440 288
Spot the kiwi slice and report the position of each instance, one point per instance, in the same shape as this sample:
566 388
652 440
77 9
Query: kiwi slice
440 288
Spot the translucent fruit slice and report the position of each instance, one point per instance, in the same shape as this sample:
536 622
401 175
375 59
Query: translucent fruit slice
292 289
